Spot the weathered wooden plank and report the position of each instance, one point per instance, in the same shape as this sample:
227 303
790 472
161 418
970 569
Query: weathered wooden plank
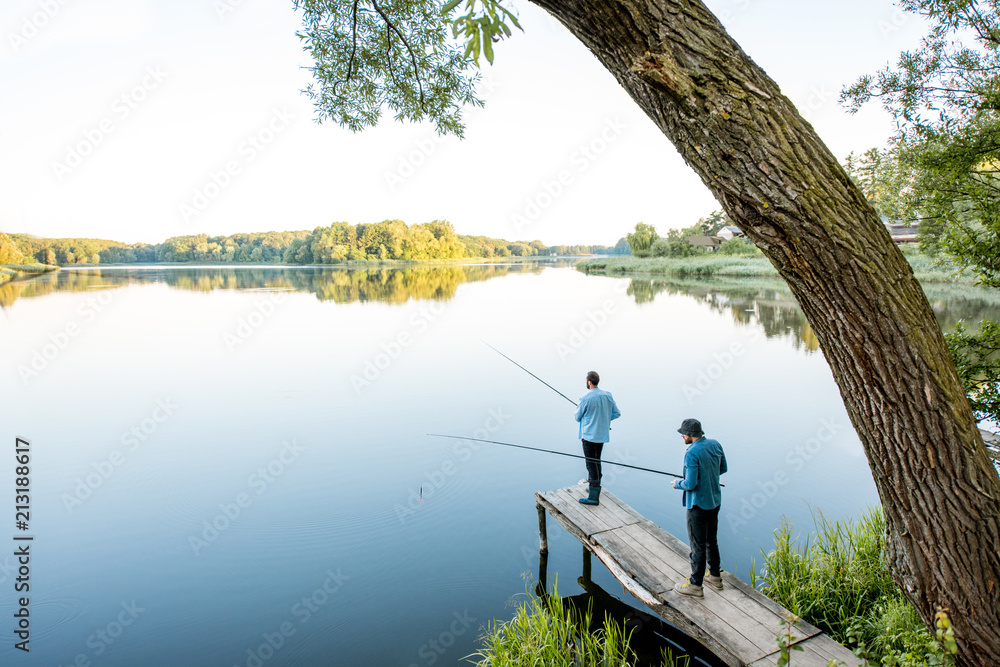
622 513
827 649
747 637
748 612
640 563
678 563
565 521
675 616
735 589
631 585
590 519
738 623
611 513
556 500
817 651
748 595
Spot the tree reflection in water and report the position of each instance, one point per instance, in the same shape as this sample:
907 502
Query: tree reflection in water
341 285
750 301
769 303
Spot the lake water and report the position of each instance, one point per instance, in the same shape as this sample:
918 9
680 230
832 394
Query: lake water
231 466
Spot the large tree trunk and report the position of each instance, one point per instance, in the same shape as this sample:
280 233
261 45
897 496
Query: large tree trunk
783 187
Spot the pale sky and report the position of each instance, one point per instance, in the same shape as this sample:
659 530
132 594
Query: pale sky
137 120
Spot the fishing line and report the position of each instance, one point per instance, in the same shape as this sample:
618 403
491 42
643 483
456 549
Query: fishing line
551 451
529 373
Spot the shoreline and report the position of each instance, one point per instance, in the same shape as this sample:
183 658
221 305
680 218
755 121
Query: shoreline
356 263
710 266
9 272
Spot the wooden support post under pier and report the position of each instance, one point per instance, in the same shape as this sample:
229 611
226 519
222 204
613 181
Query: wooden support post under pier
543 536
738 624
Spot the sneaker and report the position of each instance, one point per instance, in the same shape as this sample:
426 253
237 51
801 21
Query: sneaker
714 582
687 588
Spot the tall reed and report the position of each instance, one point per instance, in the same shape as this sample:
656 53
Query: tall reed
839 581
545 632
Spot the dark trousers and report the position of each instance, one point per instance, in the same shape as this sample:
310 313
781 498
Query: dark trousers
703 534
592 450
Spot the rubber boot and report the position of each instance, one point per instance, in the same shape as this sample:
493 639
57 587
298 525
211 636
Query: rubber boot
593 497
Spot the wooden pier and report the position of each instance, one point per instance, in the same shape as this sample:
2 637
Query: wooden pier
738 624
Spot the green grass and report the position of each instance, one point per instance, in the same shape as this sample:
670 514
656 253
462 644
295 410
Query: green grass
703 266
30 268
931 270
547 633
12 271
839 582
926 269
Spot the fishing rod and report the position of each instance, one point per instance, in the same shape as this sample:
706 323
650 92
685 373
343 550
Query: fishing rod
531 374
551 451
548 451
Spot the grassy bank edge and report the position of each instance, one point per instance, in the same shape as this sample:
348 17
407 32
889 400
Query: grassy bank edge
838 579
15 271
926 269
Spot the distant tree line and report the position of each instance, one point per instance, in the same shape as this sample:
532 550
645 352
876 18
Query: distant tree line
338 243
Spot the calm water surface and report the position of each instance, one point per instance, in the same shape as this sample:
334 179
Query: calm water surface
230 460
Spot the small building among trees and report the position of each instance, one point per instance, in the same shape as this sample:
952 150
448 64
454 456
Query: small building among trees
709 242
902 233
729 232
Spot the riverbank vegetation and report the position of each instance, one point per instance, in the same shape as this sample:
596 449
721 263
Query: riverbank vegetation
14 264
646 242
705 265
546 632
338 243
839 581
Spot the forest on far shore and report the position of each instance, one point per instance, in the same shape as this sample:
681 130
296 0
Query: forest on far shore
338 243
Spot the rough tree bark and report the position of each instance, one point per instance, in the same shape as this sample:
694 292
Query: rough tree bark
782 186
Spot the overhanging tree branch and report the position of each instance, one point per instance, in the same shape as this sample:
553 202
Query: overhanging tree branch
409 49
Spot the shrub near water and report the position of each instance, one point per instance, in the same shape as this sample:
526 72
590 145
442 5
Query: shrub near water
547 633
840 582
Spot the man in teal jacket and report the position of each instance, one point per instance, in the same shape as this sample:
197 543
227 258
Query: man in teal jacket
596 410
704 462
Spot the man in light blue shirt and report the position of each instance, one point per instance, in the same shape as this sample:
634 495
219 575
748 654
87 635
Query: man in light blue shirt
704 462
596 410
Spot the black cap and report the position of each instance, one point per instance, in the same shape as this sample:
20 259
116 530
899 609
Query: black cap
691 427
